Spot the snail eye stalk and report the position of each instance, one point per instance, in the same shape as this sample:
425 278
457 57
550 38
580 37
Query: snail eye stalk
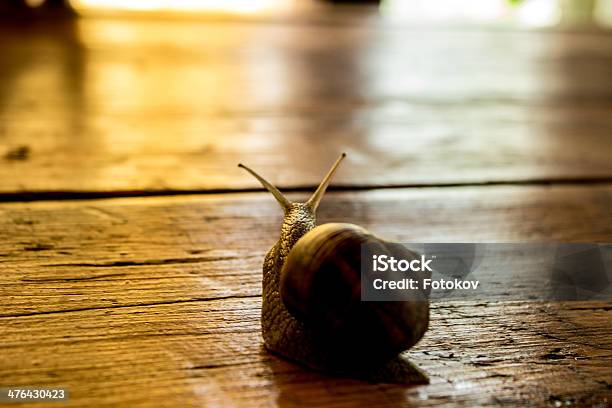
282 200
316 197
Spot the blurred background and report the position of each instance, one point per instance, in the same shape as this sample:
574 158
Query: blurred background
132 96
531 12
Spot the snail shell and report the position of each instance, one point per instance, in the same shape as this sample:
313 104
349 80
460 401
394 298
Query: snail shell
320 284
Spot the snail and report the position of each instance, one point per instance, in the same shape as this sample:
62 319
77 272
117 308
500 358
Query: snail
312 311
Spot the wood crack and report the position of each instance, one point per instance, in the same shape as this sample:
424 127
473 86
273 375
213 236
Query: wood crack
85 309
148 262
76 279
61 195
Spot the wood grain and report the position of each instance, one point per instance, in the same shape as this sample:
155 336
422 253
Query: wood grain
114 106
209 353
155 301
73 255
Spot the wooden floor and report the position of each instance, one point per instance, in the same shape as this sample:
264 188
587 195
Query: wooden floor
131 245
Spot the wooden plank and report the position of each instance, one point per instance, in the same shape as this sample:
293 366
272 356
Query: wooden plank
155 302
90 254
209 353
158 106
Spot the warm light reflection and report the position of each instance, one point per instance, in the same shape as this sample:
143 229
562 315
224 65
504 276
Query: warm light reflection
442 10
521 12
34 3
178 6
496 12
171 86
529 12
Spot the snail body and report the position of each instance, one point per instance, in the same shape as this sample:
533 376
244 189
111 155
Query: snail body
312 311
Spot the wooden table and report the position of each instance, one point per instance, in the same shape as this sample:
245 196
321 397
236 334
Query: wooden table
131 245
